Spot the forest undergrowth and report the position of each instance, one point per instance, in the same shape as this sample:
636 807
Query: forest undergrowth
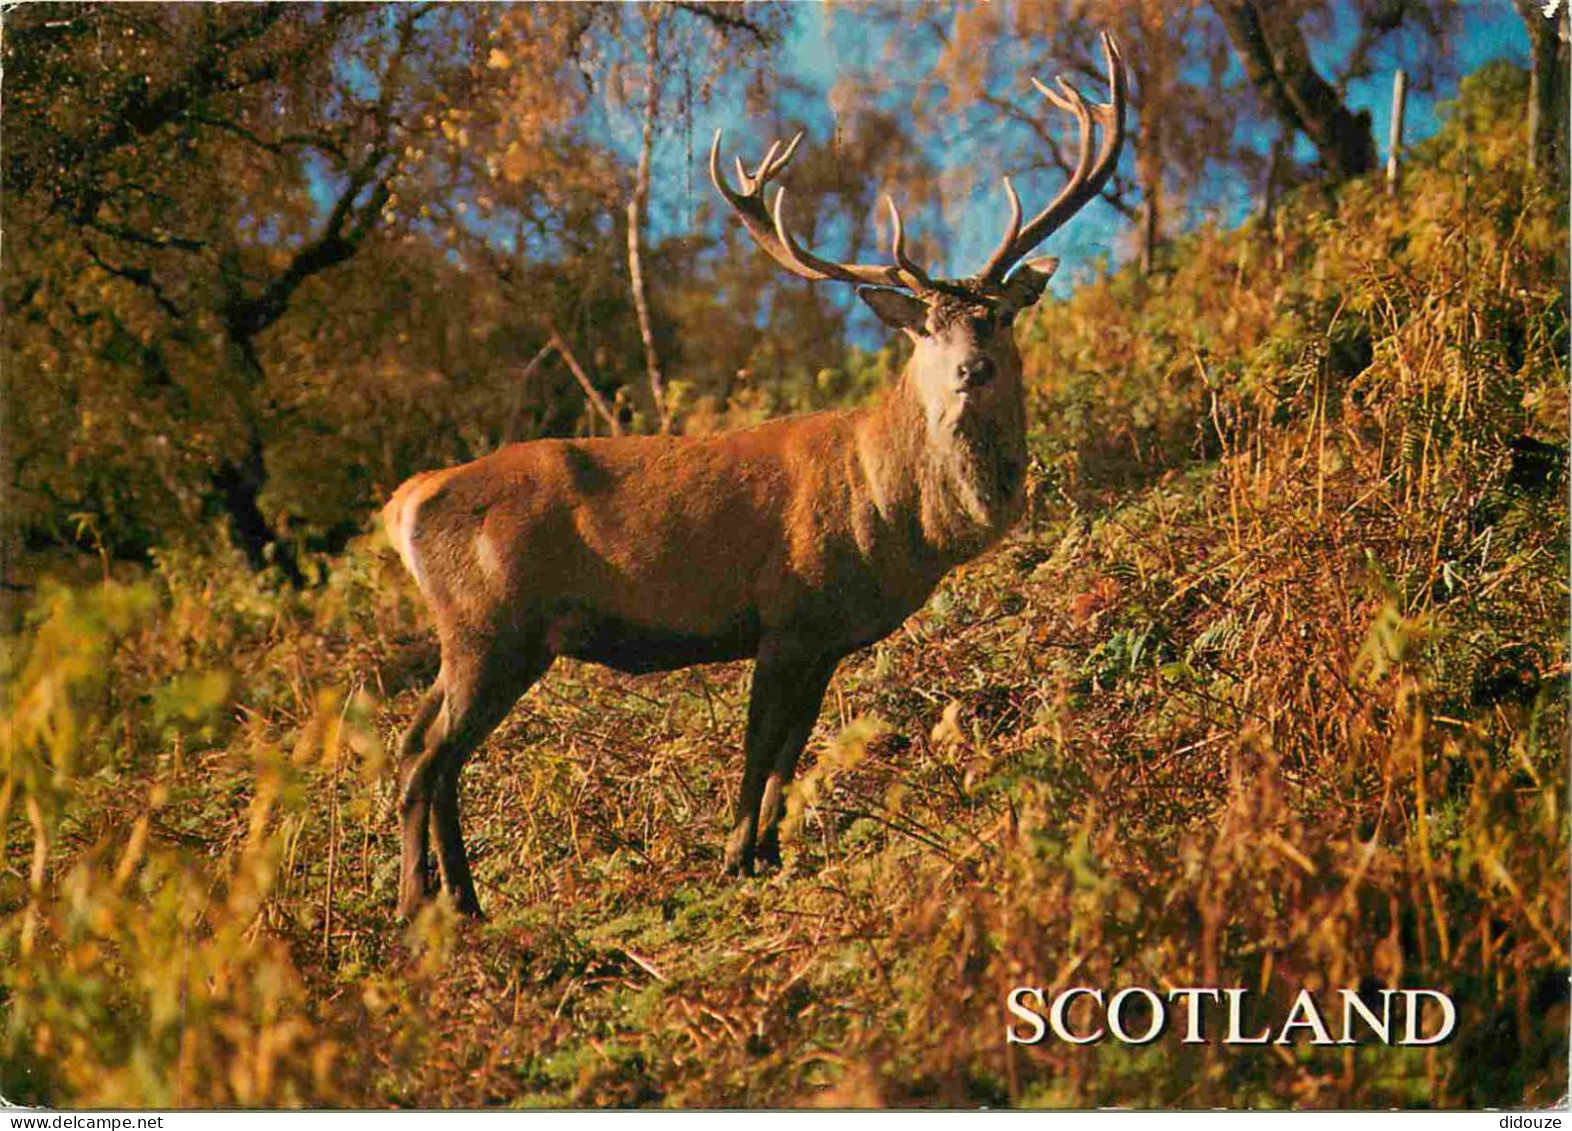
1269 691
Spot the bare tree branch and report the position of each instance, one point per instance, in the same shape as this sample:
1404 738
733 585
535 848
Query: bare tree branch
519 383
726 18
346 228
349 222
138 275
598 402
289 141
131 235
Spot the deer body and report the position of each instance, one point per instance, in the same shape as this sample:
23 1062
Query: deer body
834 526
793 543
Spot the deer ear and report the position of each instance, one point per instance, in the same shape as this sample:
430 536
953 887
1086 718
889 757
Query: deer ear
1026 286
897 309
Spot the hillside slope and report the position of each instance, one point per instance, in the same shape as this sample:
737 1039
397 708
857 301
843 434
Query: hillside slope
1269 692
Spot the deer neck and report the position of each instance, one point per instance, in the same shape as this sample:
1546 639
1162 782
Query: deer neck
960 482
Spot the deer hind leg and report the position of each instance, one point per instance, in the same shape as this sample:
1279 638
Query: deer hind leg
480 695
783 706
417 766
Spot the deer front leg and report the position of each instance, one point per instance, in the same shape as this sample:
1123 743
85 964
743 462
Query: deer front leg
783 706
773 805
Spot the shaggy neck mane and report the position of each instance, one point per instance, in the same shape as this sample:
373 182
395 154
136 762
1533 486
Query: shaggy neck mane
967 481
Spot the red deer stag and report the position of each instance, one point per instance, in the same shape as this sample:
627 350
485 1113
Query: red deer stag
793 543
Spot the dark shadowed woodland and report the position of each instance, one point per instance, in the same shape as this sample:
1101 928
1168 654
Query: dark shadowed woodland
1268 689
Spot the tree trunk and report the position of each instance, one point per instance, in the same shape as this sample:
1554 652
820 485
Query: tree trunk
1150 157
1547 91
1149 233
1277 61
1274 177
239 483
638 209
1394 146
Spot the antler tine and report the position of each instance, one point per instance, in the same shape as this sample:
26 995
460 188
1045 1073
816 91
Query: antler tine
1111 114
764 166
898 250
1089 177
715 174
785 158
1016 245
1066 101
1013 228
1115 60
1017 239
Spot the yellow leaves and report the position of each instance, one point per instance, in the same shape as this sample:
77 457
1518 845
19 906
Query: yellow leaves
376 998
498 59
972 44
146 1011
52 702
948 729
845 753
342 734
193 697
135 846
1390 639
432 935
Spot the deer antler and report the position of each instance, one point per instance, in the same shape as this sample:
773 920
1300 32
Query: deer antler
1089 176
768 227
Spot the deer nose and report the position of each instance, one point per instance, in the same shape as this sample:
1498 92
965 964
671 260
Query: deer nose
976 372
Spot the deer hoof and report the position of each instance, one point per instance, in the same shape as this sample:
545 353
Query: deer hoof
769 850
738 863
